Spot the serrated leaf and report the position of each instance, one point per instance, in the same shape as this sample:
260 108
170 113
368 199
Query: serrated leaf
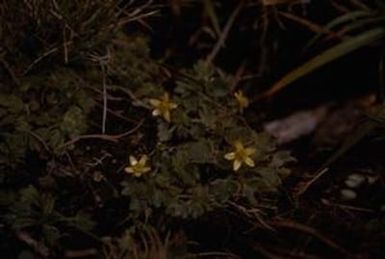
164 132
74 121
223 189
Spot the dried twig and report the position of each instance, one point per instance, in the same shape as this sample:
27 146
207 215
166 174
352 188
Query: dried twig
36 136
238 76
81 253
279 2
254 214
346 207
103 61
308 230
216 255
37 246
44 55
305 186
10 71
360 4
118 114
112 138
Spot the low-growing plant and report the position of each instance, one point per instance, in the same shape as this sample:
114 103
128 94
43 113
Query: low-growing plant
204 153
80 135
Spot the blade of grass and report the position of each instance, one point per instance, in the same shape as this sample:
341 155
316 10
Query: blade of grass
309 24
360 4
361 24
338 21
210 11
326 57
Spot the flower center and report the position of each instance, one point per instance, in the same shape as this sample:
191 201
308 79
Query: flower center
240 154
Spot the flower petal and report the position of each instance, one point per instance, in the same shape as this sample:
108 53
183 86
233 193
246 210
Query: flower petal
143 159
133 160
237 164
230 156
146 169
166 97
167 115
249 151
156 112
129 170
238 145
248 161
154 102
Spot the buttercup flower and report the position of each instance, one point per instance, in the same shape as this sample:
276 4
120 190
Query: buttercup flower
242 100
240 155
163 106
138 168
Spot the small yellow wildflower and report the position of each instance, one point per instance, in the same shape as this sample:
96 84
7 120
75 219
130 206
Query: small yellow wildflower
242 100
138 168
163 107
240 155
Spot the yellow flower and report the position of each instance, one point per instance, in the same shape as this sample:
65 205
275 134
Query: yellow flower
163 107
138 168
240 155
242 100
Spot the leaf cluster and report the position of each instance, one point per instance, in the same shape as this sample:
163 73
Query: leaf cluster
190 176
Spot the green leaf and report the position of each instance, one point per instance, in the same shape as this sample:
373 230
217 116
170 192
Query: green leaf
74 121
269 180
82 221
56 139
218 88
30 196
164 132
223 189
281 158
204 72
200 151
7 197
51 234
12 102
